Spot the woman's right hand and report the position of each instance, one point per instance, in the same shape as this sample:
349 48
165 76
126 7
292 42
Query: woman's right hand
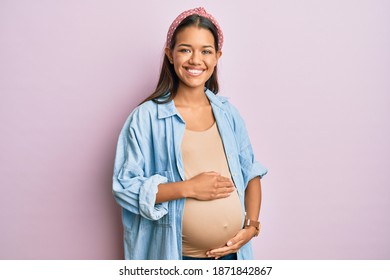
210 186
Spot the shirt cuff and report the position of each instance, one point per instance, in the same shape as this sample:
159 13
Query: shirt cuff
257 169
147 198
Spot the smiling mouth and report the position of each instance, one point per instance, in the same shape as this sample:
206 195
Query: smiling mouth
194 72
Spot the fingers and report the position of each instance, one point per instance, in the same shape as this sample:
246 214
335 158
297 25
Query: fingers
214 173
222 195
224 179
223 192
219 252
211 185
225 182
226 250
232 246
224 187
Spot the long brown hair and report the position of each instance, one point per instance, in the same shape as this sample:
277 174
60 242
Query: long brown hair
168 82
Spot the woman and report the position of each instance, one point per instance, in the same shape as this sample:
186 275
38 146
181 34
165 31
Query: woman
184 172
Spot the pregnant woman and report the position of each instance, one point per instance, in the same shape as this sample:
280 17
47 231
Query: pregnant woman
185 174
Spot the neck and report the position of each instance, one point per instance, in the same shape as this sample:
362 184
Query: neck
191 97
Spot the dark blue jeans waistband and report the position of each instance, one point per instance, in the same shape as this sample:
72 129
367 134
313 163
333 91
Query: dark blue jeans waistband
232 256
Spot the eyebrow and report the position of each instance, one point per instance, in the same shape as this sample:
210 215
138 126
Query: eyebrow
188 45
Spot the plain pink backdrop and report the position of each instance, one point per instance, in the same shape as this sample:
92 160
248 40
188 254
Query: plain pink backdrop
311 79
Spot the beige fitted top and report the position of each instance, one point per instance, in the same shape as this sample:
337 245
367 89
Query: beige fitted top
207 224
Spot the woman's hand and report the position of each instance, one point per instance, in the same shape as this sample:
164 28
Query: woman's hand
234 244
210 186
204 186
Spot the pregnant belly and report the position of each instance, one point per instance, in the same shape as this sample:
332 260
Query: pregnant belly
210 224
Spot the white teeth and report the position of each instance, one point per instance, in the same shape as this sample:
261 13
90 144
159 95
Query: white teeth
194 71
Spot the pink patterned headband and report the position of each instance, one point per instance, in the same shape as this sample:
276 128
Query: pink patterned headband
197 11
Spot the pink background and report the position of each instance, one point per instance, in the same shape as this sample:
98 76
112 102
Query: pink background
311 79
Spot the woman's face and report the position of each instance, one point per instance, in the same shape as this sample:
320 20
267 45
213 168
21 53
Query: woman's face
194 57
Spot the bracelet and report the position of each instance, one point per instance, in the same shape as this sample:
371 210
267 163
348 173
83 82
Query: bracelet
252 223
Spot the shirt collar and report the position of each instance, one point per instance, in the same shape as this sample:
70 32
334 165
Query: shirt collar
216 99
168 109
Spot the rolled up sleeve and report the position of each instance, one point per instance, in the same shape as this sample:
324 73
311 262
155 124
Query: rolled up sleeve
250 168
138 194
133 189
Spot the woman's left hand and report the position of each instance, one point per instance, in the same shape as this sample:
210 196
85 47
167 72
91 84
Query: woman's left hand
234 244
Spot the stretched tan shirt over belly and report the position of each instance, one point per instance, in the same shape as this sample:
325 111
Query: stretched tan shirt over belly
207 224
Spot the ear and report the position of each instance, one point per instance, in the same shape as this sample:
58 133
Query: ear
168 53
218 54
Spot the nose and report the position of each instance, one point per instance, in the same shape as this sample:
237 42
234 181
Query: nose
195 58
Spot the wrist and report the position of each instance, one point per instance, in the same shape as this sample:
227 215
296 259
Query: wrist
251 231
186 188
252 225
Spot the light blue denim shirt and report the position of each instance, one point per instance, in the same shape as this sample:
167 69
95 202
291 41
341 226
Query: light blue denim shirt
148 154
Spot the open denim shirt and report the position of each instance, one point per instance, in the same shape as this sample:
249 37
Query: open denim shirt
148 154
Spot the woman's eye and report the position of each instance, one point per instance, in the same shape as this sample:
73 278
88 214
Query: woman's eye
207 52
184 50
